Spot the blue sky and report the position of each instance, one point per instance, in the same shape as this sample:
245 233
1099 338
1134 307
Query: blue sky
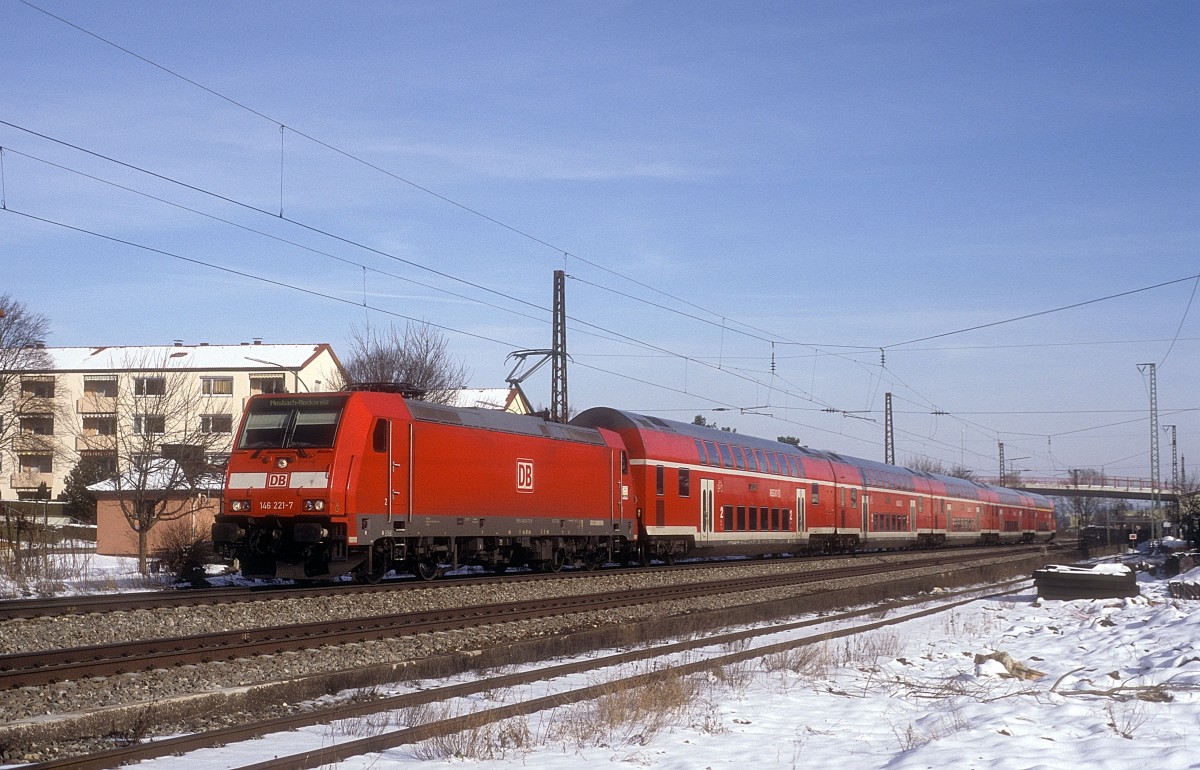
724 183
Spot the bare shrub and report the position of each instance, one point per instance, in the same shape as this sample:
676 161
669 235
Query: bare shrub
182 552
1125 717
865 650
812 661
478 739
631 716
39 571
735 676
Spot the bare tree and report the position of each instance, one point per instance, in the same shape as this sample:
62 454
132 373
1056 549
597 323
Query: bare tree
22 353
419 357
30 404
930 465
161 445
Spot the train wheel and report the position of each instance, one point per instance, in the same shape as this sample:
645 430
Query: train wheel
556 562
364 575
427 569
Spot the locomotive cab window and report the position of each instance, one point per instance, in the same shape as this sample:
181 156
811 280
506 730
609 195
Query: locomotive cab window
282 423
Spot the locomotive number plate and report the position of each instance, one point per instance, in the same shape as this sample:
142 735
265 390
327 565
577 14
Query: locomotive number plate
276 505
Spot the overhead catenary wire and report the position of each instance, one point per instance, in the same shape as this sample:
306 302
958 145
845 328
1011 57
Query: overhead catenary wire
283 128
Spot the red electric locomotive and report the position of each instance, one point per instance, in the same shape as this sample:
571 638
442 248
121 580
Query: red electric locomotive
320 485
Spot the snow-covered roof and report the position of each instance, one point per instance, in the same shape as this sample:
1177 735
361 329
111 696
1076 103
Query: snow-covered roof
165 474
507 399
197 357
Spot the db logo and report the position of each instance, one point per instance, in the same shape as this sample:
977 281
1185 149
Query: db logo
524 475
277 480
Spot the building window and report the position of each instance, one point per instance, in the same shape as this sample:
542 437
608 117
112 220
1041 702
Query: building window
216 423
37 425
149 424
37 387
267 385
105 425
216 386
100 388
36 463
217 461
149 386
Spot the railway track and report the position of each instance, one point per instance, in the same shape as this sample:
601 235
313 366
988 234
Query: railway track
738 646
45 667
12 609
79 713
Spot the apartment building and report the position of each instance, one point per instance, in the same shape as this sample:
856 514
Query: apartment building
79 407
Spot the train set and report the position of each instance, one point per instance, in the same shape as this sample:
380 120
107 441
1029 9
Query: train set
363 482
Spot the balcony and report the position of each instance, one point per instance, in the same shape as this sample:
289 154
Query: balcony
27 404
95 403
33 443
96 443
31 480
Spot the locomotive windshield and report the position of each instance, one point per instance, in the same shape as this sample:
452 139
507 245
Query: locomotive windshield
281 423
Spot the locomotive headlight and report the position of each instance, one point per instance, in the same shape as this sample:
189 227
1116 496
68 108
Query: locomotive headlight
281 463
314 505
239 505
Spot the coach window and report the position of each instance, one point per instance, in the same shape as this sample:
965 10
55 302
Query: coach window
772 458
816 492
741 518
685 482
764 519
379 439
726 455
774 519
624 464
700 452
787 520
659 473
713 457
751 462
753 519
853 498
739 459
727 518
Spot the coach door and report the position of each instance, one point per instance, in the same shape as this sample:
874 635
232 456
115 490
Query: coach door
707 508
801 512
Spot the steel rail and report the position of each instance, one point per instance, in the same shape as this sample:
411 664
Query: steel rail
46 667
339 752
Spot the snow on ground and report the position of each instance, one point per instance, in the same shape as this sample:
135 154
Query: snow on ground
1119 688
